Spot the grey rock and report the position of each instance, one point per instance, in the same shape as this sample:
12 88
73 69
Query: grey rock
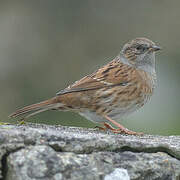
118 174
35 162
45 152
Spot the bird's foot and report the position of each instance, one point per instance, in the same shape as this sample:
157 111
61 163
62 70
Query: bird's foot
128 132
118 131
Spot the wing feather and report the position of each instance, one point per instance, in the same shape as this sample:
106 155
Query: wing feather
114 73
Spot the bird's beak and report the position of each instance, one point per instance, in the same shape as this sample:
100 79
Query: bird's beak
154 48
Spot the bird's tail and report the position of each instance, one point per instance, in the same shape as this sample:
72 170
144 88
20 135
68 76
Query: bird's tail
36 108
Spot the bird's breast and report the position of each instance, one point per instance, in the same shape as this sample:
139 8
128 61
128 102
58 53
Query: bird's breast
118 101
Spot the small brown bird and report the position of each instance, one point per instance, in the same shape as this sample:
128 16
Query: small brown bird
117 89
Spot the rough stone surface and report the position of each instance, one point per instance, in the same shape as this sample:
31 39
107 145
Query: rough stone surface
45 152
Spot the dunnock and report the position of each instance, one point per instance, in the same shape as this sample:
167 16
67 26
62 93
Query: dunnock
120 87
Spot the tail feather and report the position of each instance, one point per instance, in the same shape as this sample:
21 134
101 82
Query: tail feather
36 108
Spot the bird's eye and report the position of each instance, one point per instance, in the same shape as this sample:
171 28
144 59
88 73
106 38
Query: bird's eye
141 47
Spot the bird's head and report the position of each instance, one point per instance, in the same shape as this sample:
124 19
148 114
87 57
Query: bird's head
140 52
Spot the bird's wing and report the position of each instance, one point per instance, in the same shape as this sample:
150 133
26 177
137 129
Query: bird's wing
114 73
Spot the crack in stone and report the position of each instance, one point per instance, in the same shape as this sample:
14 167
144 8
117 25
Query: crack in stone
123 149
150 150
4 165
4 168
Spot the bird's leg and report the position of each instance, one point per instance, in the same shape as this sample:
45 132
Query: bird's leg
106 126
121 129
100 128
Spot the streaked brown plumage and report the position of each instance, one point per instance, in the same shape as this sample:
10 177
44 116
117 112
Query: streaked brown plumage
113 91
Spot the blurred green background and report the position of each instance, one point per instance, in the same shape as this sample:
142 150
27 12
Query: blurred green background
47 45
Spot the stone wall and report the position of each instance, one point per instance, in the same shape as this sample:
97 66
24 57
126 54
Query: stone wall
42 152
